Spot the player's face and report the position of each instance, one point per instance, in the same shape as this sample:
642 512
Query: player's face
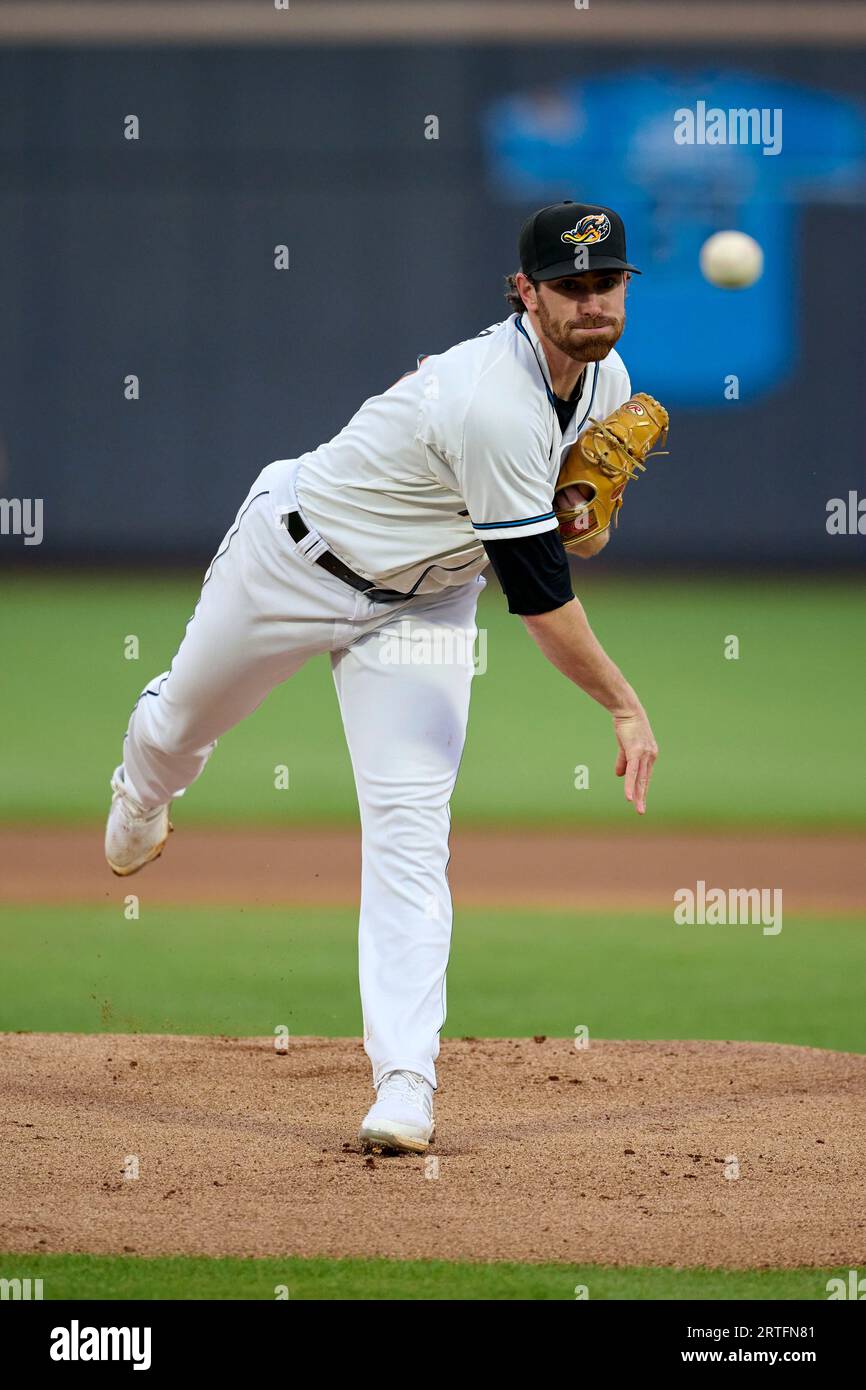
583 315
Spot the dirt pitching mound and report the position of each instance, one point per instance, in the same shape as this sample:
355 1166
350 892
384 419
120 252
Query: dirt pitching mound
623 1153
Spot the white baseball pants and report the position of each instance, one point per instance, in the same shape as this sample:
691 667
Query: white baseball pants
403 673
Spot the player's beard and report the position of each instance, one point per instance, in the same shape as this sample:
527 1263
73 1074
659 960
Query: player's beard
583 347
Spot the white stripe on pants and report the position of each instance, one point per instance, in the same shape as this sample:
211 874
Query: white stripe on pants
403 674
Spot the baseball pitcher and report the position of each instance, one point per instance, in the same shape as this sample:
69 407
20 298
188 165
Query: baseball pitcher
509 449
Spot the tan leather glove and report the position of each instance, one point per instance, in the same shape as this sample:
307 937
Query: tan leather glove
601 462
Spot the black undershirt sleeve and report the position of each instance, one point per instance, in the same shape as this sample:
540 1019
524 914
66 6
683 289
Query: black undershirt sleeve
533 572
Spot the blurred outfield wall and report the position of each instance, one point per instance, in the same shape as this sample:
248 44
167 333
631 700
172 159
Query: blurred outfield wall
155 257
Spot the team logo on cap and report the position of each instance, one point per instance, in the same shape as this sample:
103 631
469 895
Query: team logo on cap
588 230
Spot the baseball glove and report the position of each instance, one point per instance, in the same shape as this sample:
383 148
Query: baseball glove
601 462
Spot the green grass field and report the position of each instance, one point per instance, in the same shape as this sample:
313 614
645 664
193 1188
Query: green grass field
124 1277
190 970
769 740
769 737
200 970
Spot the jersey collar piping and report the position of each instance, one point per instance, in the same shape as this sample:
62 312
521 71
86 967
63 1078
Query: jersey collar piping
532 338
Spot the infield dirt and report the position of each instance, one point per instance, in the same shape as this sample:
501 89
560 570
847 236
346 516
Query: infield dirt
641 869
729 1154
664 1153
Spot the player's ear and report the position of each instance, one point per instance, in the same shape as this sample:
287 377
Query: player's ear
525 286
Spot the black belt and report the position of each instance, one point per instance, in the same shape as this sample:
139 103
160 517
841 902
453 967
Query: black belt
297 529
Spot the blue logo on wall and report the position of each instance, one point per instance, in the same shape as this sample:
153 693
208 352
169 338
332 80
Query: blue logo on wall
616 141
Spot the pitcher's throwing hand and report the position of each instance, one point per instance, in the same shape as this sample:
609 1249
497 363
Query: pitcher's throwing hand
638 751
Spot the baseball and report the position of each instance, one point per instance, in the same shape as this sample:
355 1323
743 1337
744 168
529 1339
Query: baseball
731 260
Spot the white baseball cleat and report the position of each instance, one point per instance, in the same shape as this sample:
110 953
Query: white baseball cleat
402 1117
133 836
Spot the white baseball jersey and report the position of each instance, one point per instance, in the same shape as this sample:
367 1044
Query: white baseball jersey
465 449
